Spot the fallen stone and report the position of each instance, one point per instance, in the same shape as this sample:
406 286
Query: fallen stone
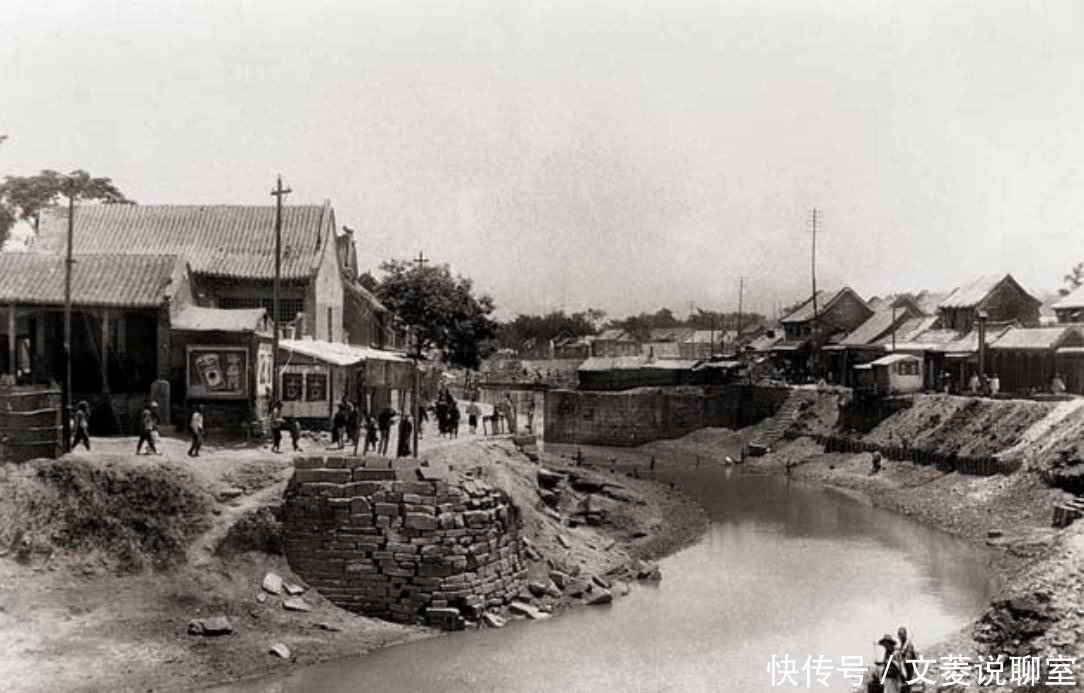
261 597
994 533
548 479
609 545
272 583
524 609
577 587
296 604
327 626
538 589
649 571
551 499
560 578
625 589
602 582
281 650
228 493
444 618
600 597
550 512
212 625
493 620
564 541
533 554
293 589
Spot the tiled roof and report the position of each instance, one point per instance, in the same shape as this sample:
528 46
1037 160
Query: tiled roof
669 334
216 240
614 334
613 363
804 312
878 323
201 319
971 294
364 294
1036 337
128 281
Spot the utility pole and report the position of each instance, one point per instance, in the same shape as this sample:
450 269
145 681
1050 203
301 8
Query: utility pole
278 193
741 291
65 427
813 219
421 260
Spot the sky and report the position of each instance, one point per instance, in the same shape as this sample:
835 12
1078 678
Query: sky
621 155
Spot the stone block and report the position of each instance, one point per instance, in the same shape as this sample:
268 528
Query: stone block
334 476
389 509
367 474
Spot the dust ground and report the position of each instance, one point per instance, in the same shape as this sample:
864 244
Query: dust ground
106 557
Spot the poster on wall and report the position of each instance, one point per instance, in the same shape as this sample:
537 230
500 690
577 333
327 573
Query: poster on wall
316 387
264 361
293 386
217 372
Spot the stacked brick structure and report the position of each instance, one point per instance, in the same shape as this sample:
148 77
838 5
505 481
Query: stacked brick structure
399 539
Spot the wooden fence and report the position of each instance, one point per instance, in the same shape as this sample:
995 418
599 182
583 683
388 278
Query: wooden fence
30 423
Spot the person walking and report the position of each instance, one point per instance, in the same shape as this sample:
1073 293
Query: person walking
405 430
148 425
82 425
195 427
371 438
295 432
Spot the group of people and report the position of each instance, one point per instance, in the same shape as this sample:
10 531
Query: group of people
446 410
896 674
988 385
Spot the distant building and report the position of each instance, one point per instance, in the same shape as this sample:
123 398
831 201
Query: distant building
614 341
999 297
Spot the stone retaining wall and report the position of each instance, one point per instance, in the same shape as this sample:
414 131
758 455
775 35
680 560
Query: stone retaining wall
401 540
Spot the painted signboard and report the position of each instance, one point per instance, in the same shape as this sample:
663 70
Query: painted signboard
216 372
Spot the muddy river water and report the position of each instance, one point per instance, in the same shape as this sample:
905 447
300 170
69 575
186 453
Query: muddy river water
784 569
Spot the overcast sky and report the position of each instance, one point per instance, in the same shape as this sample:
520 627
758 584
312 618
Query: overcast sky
622 155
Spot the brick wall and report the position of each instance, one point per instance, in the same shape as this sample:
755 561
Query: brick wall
393 538
635 417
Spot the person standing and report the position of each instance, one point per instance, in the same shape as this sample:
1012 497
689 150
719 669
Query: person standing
889 672
384 421
530 414
510 413
907 657
405 431
276 426
148 424
82 425
371 438
1057 385
995 385
338 427
473 412
453 419
195 427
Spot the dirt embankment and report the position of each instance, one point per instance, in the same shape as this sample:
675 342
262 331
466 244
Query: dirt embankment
107 559
1041 607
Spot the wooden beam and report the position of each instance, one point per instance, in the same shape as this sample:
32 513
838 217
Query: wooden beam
104 354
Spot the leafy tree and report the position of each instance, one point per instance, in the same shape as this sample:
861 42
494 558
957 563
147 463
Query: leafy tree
1073 280
439 311
545 327
25 197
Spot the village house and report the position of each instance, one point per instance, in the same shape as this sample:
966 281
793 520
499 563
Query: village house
1070 308
806 330
614 341
1026 359
950 348
199 332
702 345
874 337
665 342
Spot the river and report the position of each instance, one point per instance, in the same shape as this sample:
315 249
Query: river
784 569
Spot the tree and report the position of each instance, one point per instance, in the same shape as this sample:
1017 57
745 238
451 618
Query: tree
439 311
1073 280
545 327
25 197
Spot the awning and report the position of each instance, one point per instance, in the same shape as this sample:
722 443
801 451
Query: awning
339 354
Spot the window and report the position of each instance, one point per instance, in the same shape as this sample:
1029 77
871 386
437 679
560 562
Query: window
288 307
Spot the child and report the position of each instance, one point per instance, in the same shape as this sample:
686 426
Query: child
295 432
82 425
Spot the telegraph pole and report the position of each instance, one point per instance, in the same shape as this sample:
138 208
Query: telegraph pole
68 262
741 290
813 219
419 263
278 193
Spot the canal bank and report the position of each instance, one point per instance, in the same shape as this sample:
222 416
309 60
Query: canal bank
107 561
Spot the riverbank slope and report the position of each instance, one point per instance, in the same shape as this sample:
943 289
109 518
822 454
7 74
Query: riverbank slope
107 558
